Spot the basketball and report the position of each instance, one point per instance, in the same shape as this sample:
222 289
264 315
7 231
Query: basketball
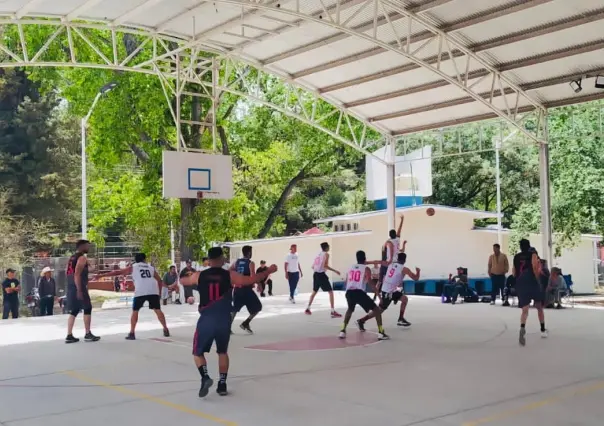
430 211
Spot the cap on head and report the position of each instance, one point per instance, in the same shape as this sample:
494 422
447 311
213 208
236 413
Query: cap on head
10 271
324 246
361 257
525 245
392 233
215 253
247 251
401 258
293 247
46 270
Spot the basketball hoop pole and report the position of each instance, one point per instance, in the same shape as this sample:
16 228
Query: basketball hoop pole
390 183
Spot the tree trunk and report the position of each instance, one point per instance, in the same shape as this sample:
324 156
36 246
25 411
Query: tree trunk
270 220
187 206
223 140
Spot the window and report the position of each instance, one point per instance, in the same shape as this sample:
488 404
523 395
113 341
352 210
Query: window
356 226
348 227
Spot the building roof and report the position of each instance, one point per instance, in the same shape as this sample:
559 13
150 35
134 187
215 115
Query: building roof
402 66
493 230
478 214
293 238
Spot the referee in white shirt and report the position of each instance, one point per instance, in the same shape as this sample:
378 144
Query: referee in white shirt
293 272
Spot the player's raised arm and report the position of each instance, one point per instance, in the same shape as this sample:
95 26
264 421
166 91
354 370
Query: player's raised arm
188 278
400 226
239 280
117 273
413 275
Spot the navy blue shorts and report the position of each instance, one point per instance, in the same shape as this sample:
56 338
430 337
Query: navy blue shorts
211 329
246 296
526 294
75 305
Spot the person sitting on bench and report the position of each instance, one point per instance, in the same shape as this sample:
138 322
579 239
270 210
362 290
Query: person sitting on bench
509 290
457 285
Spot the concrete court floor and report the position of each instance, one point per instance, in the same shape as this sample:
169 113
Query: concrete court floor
457 365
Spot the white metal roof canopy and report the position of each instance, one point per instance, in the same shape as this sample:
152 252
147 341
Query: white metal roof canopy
401 65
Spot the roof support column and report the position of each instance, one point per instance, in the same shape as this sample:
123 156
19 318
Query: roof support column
546 205
390 183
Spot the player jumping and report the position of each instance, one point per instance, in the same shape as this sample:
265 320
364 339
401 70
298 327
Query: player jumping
358 277
390 249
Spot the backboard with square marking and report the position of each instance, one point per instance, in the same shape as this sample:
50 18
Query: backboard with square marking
186 174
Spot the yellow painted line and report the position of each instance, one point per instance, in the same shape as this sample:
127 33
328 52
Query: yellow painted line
150 398
535 405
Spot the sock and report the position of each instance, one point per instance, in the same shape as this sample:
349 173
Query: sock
542 326
522 325
223 377
203 370
380 328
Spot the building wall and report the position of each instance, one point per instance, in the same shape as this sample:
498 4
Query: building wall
437 245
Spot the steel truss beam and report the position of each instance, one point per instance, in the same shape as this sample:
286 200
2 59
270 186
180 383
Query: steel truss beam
185 69
383 11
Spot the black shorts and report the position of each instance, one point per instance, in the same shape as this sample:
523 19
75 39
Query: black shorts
388 298
246 296
211 329
188 291
139 301
359 297
528 294
75 305
383 270
320 280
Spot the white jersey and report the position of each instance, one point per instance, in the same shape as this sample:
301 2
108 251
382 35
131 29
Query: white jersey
355 279
396 242
394 277
318 264
143 276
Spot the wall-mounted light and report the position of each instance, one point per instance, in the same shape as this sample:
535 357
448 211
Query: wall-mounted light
576 85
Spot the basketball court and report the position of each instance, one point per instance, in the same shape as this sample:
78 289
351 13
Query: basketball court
457 365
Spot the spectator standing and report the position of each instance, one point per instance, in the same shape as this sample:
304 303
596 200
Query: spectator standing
498 268
47 290
293 271
10 295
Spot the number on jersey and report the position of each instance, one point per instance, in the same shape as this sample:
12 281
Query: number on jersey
145 273
354 275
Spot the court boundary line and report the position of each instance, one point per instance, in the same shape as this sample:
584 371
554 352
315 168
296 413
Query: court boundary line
149 398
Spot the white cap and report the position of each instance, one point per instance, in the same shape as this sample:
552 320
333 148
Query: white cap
46 269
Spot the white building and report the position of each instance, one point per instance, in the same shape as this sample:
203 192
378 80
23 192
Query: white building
436 244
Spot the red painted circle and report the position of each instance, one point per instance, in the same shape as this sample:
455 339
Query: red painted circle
319 343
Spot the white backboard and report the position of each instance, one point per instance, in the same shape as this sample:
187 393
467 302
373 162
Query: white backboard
413 174
187 173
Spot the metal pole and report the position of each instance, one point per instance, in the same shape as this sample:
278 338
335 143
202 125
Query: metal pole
498 184
172 253
214 101
84 195
546 206
390 184
178 92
